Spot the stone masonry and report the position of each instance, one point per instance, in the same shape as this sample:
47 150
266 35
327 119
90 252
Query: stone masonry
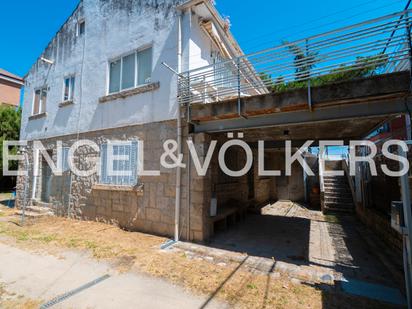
148 207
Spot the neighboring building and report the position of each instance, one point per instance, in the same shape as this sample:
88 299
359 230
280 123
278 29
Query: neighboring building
101 78
10 86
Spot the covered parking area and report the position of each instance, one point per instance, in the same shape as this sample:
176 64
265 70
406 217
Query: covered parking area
268 217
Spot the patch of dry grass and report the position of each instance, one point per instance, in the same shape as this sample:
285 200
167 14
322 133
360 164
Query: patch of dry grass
140 252
5 211
12 301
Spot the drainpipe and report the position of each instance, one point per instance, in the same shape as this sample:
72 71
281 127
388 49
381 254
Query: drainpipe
35 172
179 130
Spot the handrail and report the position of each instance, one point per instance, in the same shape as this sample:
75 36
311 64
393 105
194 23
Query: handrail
345 163
348 52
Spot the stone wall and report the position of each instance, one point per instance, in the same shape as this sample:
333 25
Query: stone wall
148 207
381 225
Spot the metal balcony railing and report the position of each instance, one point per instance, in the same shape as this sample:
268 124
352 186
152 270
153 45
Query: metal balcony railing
377 46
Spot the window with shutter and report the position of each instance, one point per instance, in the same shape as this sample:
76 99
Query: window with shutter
125 171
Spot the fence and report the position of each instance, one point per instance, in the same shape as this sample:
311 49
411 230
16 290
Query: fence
377 46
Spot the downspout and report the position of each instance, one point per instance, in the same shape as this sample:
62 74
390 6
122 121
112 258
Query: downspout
179 130
35 173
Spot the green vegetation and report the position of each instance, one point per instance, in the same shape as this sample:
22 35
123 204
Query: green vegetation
305 63
9 130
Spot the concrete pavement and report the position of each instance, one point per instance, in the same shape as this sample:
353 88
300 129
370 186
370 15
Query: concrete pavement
44 277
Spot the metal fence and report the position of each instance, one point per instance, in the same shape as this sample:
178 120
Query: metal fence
377 46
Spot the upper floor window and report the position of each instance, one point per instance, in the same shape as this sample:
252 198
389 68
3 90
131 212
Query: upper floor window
68 92
81 27
40 99
130 71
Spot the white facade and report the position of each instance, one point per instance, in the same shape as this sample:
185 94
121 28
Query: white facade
112 29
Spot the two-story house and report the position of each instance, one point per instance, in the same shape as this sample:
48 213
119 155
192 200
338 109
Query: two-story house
101 78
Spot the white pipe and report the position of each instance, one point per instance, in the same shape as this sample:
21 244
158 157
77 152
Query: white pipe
35 172
179 131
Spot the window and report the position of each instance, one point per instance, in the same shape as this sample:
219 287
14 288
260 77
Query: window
40 99
68 92
119 163
65 159
81 27
130 71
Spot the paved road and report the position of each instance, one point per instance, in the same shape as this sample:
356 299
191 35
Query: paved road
44 277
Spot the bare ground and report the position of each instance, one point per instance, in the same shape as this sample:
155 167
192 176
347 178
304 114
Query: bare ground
137 252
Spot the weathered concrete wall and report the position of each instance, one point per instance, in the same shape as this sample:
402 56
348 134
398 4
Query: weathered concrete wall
229 189
264 186
288 187
113 28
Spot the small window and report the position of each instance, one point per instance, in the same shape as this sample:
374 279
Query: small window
124 171
115 70
40 99
68 92
65 159
130 71
81 27
144 62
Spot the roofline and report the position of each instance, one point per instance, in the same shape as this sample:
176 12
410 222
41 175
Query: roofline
6 77
216 15
189 4
54 36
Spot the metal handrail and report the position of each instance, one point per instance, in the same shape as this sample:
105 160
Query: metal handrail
332 54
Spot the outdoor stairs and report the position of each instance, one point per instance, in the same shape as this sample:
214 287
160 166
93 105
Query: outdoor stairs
337 195
36 209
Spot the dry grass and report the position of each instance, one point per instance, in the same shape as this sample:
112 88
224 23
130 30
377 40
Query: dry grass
140 252
13 301
4 210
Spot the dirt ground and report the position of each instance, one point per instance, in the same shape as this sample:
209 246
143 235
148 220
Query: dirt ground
136 252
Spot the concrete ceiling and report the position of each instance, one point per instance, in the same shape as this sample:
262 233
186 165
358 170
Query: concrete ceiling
328 130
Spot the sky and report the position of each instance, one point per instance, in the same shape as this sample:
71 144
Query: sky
27 26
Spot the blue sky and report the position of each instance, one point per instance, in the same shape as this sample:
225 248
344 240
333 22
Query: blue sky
27 26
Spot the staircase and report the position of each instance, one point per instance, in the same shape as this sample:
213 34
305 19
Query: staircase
337 195
36 209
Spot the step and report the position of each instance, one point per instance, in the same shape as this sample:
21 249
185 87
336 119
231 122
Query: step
31 214
336 182
335 190
329 210
338 200
334 178
35 202
338 205
38 209
338 194
335 185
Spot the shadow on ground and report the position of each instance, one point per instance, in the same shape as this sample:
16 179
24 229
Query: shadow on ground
303 237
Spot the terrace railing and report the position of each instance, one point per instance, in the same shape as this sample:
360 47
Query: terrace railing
378 46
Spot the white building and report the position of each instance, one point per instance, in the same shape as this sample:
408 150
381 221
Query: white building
101 78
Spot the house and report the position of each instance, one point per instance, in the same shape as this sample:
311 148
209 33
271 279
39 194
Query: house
10 86
141 72
101 78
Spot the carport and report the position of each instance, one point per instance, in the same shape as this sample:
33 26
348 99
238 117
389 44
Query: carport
268 217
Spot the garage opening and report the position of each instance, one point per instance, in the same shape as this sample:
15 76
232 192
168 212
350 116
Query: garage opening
288 220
